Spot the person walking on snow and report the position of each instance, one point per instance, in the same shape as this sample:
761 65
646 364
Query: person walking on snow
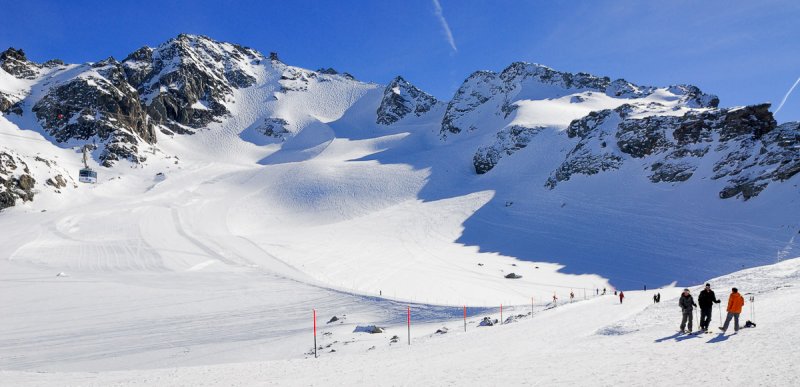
735 303
655 298
686 302
706 299
621 296
571 296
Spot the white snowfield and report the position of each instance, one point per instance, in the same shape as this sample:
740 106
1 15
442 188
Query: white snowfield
594 342
217 248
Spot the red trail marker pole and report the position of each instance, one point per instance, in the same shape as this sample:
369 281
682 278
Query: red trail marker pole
408 315
315 333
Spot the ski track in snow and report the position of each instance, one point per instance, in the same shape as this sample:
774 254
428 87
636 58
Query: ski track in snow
599 341
223 259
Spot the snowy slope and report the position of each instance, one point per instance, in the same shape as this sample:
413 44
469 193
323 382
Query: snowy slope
268 190
596 342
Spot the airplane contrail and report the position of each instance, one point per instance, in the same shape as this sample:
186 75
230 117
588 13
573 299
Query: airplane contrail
791 89
445 26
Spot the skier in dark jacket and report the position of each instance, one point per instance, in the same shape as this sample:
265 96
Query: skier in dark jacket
686 302
706 300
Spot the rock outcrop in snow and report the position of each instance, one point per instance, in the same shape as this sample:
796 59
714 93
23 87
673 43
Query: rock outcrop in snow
21 177
187 82
401 98
97 106
193 82
746 146
508 141
487 93
15 180
14 62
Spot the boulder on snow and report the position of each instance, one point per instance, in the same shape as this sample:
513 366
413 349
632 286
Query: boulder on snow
333 319
514 318
371 329
442 330
513 275
487 322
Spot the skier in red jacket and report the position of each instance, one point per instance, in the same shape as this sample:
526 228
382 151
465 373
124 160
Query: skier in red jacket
621 296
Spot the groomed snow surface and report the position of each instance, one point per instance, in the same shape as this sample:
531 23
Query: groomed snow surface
202 265
594 342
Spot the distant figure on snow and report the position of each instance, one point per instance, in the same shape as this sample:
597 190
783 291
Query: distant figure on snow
621 296
686 302
571 296
604 291
615 292
706 299
555 299
597 292
735 303
655 299
658 297
645 288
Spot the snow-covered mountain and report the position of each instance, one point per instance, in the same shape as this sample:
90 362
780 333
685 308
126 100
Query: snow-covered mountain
255 109
237 192
220 167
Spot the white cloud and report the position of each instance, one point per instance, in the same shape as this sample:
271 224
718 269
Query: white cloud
445 26
785 96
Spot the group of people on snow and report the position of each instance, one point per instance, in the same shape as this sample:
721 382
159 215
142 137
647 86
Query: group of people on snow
707 299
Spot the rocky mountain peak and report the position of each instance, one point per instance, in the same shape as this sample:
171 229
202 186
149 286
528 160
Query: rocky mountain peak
401 98
98 106
185 82
489 93
13 53
14 62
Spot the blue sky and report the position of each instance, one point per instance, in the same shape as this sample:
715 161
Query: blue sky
744 51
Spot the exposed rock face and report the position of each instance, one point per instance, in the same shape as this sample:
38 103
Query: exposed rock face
6 102
401 98
488 93
57 181
274 127
509 140
14 62
100 106
15 180
296 79
186 82
19 174
332 71
747 148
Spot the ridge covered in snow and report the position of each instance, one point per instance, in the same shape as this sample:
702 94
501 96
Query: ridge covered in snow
241 192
